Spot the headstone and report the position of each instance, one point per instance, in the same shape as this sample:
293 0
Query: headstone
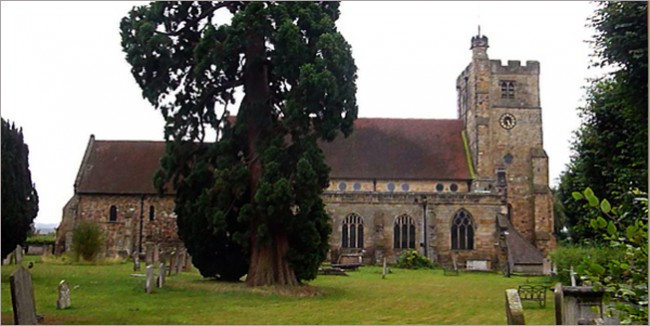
64 296
160 281
18 254
148 283
177 261
148 254
22 297
547 267
156 253
383 273
7 260
514 308
136 262
576 305
172 259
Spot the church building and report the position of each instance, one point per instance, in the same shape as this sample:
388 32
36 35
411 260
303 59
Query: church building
472 191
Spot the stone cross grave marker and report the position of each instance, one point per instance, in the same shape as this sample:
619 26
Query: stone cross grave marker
22 297
148 283
64 296
161 276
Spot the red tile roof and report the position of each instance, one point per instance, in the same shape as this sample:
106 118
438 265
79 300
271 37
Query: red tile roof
422 149
378 148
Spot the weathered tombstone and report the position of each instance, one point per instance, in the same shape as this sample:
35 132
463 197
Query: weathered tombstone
22 297
177 261
63 302
188 263
383 273
160 281
547 267
148 283
136 262
156 253
514 308
18 253
7 260
577 305
171 263
148 258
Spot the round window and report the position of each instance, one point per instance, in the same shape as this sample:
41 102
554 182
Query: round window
405 186
391 186
453 187
342 186
440 187
357 186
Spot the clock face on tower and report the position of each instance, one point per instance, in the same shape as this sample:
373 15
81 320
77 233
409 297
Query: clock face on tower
507 121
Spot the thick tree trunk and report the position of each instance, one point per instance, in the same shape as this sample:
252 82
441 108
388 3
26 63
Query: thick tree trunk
267 264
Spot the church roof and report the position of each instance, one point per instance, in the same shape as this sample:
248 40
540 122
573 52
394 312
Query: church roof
424 149
378 148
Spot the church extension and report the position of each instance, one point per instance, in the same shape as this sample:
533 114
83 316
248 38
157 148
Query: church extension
473 190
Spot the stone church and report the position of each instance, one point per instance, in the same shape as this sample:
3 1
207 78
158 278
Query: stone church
472 191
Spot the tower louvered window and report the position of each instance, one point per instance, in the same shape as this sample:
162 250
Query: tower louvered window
462 231
507 88
352 232
404 232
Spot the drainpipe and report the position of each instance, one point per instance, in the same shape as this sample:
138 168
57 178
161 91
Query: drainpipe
141 221
424 213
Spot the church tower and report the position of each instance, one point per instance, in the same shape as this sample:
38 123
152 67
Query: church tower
500 107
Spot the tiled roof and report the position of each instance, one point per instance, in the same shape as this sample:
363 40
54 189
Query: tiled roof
120 167
400 149
378 148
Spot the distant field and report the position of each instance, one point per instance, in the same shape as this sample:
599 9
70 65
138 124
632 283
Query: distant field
107 294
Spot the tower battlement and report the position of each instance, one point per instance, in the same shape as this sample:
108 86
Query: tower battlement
514 67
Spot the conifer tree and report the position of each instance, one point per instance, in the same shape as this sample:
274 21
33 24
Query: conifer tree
248 200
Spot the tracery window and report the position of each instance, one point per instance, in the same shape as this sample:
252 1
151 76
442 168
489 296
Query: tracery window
404 232
352 232
462 231
507 88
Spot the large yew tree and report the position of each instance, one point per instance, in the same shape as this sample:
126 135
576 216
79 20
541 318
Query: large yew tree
19 196
247 186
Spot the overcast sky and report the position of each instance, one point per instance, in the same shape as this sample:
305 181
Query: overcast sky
64 76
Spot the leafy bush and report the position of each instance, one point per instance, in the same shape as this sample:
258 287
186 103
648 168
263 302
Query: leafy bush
87 240
573 255
411 259
37 240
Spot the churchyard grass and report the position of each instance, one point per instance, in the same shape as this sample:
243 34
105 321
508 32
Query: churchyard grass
107 294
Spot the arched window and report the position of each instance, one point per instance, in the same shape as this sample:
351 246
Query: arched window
352 232
112 214
404 232
507 88
152 213
462 231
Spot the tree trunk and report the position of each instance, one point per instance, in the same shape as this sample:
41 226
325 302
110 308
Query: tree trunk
267 263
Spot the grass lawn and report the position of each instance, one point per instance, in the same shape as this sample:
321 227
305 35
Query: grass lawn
107 294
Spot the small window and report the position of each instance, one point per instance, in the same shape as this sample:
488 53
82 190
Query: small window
152 213
112 214
357 186
342 186
453 187
440 187
508 158
507 88
391 187
405 187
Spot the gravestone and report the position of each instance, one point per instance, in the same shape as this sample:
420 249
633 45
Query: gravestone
383 272
170 268
18 253
514 308
177 261
63 302
148 258
161 276
148 283
22 297
136 262
188 263
156 253
578 305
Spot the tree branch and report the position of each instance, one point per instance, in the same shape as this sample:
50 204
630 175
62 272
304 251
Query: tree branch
197 20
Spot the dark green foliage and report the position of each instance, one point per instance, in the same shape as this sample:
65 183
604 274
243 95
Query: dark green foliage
87 240
258 183
19 196
610 150
411 259
624 275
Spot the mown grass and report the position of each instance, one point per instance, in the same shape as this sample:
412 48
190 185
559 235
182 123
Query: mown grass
107 294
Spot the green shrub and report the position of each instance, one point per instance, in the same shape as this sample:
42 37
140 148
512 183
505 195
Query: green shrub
566 256
87 240
411 259
41 239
